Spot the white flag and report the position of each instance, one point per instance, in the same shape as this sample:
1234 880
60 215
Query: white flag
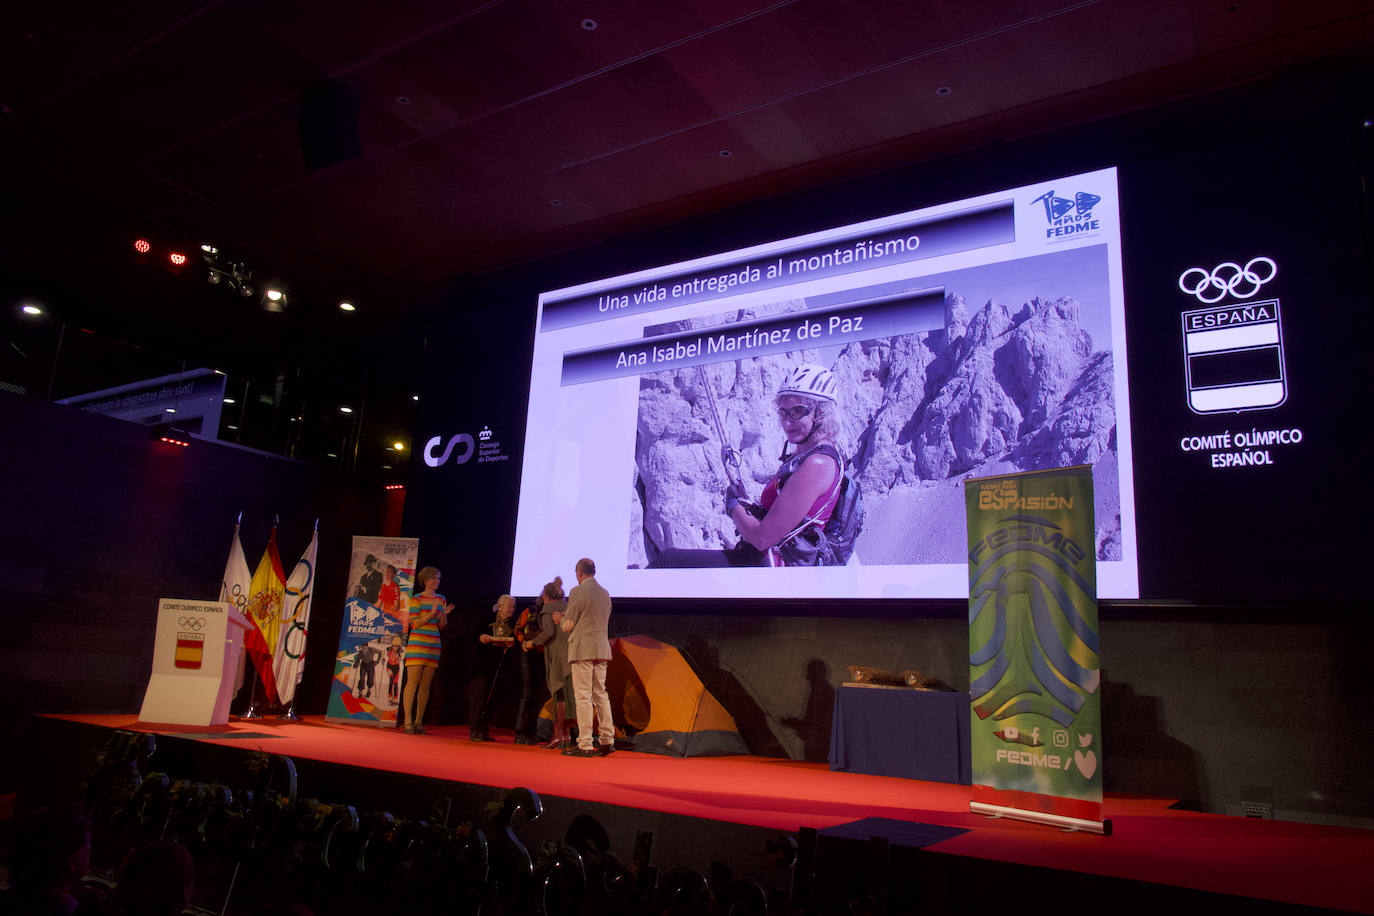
288 664
234 587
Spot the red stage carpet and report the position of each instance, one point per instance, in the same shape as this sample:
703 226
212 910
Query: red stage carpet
1277 860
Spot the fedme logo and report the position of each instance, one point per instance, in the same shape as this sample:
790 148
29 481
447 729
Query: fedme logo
434 458
1069 217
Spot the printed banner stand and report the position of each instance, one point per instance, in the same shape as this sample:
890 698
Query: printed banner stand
366 689
195 660
1034 668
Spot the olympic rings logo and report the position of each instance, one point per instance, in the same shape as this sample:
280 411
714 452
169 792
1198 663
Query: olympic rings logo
1227 277
300 644
191 623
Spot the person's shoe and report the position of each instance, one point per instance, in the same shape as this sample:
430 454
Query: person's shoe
606 750
581 752
523 739
418 730
408 729
480 736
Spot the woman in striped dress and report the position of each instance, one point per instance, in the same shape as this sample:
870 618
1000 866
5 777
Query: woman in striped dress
428 614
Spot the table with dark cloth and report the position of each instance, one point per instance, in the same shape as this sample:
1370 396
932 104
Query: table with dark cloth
916 734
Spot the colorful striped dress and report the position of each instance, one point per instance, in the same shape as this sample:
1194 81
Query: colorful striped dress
422 646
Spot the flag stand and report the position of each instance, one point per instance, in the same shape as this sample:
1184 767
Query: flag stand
290 714
252 711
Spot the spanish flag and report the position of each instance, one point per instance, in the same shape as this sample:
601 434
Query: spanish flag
266 593
190 651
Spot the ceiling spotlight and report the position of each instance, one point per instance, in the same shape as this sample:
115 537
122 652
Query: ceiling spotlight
274 300
345 409
209 249
589 25
415 397
347 307
230 401
943 91
142 246
274 295
31 310
177 258
399 446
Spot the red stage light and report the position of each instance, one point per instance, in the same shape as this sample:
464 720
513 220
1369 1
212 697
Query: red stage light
170 441
142 246
177 258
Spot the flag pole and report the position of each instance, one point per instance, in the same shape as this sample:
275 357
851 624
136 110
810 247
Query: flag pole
252 711
290 713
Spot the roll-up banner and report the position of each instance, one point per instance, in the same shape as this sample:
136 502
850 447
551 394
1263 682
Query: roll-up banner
366 688
1033 648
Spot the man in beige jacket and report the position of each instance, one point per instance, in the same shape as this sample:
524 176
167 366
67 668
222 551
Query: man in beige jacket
589 653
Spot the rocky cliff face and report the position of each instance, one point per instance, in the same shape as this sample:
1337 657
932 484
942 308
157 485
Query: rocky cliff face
997 390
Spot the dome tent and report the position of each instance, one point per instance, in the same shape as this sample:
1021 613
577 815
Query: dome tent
660 704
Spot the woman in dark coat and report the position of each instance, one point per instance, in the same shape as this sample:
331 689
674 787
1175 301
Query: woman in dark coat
553 642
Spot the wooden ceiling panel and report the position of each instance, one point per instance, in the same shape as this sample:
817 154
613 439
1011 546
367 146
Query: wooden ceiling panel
334 36
186 113
582 122
48 49
1296 17
723 81
658 98
964 21
262 155
1345 37
861 37
775 54
409 103
831 129
492 60
1222 25
899 28
772 138
256 156
1048 58
172 91
342 201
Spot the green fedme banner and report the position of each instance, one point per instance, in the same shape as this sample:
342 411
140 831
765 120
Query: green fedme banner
1033 647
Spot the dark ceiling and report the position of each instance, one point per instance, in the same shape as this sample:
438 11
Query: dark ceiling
452 138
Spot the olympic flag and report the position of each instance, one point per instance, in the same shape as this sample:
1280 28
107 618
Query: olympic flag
288 662
233 590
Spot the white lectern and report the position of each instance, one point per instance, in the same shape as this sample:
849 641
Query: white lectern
195 660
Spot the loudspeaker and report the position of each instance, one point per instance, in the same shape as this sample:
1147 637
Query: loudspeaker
329 124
